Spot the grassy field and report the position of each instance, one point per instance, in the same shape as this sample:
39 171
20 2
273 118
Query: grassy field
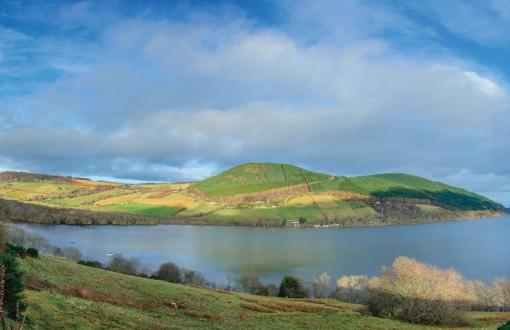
257 177
64 295
146 209
253 193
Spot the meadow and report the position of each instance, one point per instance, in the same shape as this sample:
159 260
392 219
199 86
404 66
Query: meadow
63 294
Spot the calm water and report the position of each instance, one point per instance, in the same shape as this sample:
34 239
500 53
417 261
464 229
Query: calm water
479 249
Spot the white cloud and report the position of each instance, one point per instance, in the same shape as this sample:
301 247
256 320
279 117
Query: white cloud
485 85
163 99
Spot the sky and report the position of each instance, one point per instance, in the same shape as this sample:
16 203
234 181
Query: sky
180 90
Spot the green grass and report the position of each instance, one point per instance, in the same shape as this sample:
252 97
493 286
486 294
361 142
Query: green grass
145 209
310 212
64 295
257 177
410 187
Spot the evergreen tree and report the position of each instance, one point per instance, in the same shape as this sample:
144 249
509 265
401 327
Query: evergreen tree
12 285
292 287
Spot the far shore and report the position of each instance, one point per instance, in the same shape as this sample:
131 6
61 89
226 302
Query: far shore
20 212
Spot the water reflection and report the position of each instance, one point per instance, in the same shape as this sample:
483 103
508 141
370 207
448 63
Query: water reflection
478 249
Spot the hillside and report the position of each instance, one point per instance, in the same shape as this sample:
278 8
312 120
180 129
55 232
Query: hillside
257 177
262 194
62 294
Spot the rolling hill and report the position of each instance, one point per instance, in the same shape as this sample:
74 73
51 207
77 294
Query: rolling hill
261 194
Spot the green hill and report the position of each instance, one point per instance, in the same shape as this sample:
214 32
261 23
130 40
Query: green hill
253 194
64 295
397 185
257 177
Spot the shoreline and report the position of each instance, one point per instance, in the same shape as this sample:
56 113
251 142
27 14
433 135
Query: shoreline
19 212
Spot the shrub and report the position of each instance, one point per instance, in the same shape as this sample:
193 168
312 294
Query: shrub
320 286
18 236
419 293
169 272
131 266
505 326
90 263
71 253
192 277
12 285
499 295
352 289
269 290
32 253
15 250
292 287
66 252
248 283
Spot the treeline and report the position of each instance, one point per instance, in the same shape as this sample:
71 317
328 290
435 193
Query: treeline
11 210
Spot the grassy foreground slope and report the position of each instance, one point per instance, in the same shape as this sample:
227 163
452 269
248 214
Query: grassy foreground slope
65 295
248 194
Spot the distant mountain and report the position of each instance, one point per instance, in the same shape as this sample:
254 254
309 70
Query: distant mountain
261 194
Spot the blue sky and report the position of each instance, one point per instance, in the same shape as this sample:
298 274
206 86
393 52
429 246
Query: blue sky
179 90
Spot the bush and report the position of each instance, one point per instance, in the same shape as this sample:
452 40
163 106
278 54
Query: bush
131 266
70 253
352 289
499 293
505 326
320 286
169 272
15 250
192 277
32 253
292 287
90 263
13 285
419 293
248 283
269 290
18 236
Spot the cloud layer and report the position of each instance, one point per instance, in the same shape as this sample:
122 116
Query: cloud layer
340 88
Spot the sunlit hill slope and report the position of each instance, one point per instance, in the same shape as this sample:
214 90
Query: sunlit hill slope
264 194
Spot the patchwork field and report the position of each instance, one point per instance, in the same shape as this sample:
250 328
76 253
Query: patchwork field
257 193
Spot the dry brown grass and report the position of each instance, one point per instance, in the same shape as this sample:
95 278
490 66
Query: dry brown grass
256 308
198 314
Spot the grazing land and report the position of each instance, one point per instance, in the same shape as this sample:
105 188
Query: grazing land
254 194
63 294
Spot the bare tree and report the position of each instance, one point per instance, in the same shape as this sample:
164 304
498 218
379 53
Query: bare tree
352 289
320 286
420 293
